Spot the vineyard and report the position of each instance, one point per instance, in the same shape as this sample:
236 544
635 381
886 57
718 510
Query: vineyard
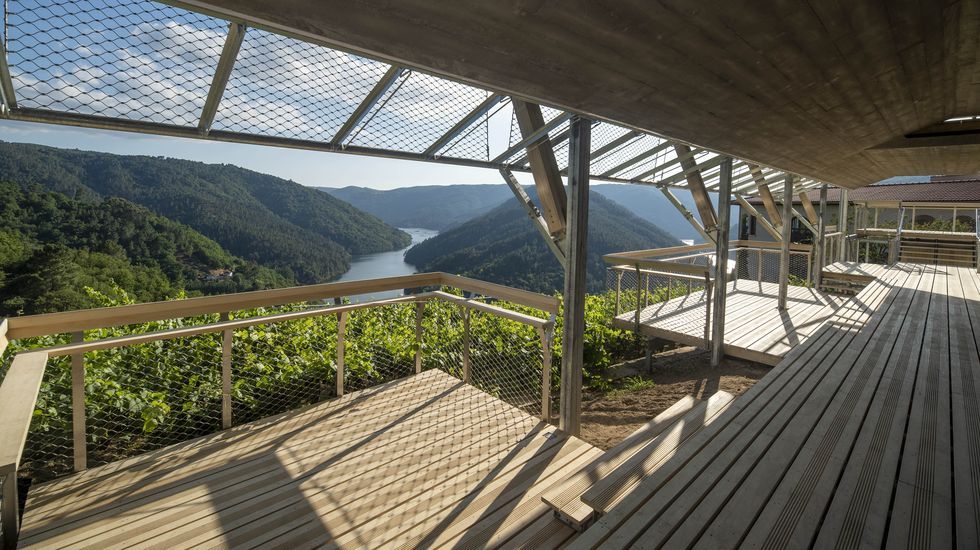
149 395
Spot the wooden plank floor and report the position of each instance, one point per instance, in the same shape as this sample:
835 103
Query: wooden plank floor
755 328
423 461
866 435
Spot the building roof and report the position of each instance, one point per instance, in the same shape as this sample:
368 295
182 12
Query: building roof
938 189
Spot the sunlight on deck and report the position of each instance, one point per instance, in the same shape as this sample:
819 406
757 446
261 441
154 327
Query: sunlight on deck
426 460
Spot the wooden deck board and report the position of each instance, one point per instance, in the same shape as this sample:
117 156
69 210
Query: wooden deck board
755 328
865 435
421 457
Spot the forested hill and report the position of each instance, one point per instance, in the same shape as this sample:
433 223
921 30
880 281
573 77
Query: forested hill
442 207
52 247
502 246
437 207
305 234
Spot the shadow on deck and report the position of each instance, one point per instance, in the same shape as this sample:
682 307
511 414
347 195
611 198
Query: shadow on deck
422 460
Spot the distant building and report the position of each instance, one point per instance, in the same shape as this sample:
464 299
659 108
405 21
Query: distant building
949 202
218 274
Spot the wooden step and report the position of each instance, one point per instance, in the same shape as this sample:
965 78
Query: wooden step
565 499
610 489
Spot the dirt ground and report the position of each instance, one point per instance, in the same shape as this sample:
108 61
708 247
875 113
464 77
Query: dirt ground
607 418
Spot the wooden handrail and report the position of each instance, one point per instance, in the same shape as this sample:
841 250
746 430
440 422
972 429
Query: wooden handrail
187 332
654 252
4 325
20 387
88 319
18 397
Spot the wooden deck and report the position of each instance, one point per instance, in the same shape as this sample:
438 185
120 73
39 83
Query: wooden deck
755 328
866 435
426 460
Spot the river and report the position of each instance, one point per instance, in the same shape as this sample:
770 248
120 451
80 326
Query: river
385 264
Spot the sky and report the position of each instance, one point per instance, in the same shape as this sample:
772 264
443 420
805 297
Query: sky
313 168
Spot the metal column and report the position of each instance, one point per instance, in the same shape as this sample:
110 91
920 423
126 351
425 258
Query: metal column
820 240
842 225
721 261
787 236
575 275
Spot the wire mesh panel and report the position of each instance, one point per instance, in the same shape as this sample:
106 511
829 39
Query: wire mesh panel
284 87
147 396
416 112
634 289
48 449
281 366
442 337
135 60
506 360
763 265
379 345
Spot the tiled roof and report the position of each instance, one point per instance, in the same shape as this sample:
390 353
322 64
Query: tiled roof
940 189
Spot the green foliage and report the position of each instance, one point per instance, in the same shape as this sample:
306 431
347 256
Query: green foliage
52 247
307 235
635 383
502 246
150 395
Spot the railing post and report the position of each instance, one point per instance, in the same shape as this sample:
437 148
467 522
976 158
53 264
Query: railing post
646 290
341 336
466 345
758 273
619 285
636 314
79 444
227 339
546 333
10 519
707 309
419 308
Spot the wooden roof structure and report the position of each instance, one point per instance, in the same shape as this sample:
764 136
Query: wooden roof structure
189 71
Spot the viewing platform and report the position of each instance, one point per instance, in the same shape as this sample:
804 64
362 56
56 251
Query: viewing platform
426 460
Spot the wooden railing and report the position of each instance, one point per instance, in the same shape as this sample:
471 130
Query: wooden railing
20 387
691 267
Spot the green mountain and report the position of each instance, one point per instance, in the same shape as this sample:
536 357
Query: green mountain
502 246
306 235
52 247
437 207
441 207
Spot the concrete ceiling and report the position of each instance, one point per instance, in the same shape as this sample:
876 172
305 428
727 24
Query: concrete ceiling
825 88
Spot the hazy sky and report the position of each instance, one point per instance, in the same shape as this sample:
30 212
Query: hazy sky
305 167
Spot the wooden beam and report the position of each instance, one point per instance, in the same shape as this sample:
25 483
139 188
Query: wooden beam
786 237
720 290
544 168
803 220
842 214
686 213
821 236
811 212
695 184
532 212
759 218
573 345
766 195
229 53
380 88
88 319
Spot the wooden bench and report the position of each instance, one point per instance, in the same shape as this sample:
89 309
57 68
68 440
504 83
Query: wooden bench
576 502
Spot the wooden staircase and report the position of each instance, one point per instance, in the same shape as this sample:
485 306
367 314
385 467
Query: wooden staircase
582 498
843 284
938 251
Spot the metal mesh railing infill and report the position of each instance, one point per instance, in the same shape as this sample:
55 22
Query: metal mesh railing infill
167 390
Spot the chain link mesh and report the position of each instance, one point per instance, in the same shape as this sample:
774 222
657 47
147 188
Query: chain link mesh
763 265
284 87
416 112
150 395
136 60
506 360
277 367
